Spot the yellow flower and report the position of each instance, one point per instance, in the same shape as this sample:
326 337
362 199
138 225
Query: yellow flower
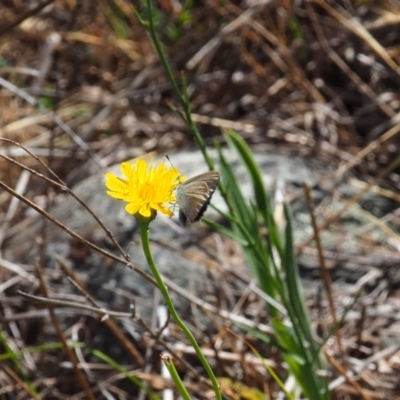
147 189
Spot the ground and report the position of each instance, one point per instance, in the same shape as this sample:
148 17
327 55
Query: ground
315 79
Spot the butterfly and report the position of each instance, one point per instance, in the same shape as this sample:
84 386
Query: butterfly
193 196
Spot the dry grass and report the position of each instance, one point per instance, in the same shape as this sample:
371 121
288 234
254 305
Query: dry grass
319 80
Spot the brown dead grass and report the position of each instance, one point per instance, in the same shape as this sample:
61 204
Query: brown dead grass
320 80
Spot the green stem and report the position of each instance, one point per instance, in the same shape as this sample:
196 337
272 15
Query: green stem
182 98
144 234
175 377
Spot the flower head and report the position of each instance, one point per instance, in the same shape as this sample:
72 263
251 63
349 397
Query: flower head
147 189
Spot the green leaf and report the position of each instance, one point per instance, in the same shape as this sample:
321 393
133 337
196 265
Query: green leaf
262 199
261 195
15 360
175 377
126 373
226 231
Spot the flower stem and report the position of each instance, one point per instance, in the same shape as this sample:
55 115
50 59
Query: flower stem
144 233
182 97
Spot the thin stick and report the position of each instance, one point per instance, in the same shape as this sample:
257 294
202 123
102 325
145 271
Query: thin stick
324 270
352 201
70 354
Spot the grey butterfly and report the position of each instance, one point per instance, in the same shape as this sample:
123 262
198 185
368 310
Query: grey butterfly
194 195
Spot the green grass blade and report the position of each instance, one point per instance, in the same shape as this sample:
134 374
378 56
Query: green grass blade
228 232
260 194
136 381
14 358
175 377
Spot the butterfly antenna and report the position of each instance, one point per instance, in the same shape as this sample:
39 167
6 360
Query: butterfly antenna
173 166
179 176
169 160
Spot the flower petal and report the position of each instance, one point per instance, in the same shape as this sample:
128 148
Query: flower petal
115 183
144 187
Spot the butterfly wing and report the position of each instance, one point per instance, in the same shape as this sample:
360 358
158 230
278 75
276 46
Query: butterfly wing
212 180
194 195
210 177
191 197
